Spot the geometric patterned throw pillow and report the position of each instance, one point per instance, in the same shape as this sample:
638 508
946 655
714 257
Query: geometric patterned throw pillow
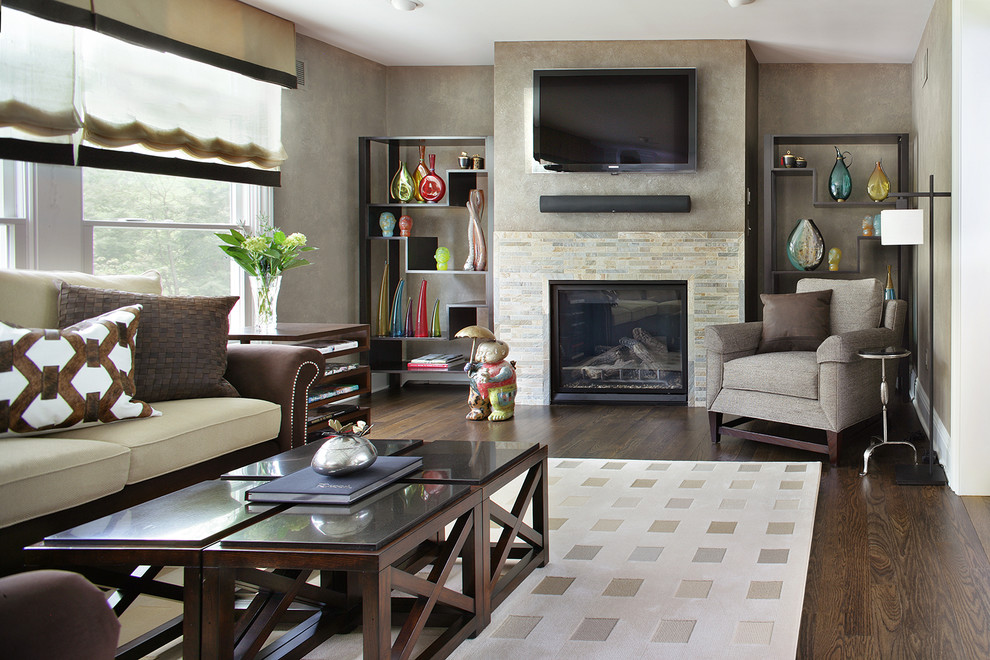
51 380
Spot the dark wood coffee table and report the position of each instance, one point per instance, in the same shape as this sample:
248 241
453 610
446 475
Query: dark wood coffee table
127 551
363 552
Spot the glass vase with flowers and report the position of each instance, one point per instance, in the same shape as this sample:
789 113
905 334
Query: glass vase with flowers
264 256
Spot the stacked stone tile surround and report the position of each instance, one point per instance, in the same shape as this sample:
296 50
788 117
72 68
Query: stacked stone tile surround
712 263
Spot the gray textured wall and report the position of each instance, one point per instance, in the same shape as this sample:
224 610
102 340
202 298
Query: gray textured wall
932 137
344 98
717 189
833 98
450 100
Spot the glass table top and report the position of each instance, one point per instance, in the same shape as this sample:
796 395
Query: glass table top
879 352
300 457
467 462
368 524
192 517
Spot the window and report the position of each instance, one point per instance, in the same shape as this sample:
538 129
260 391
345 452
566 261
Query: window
13 215
114 222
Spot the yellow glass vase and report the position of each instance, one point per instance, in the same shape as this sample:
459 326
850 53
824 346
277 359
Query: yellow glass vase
878 187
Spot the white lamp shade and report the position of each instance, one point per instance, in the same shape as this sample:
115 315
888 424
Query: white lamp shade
902 227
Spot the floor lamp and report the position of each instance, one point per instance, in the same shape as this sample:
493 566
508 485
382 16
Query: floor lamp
903 226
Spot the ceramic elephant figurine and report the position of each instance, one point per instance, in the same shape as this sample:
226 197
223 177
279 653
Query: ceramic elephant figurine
493 383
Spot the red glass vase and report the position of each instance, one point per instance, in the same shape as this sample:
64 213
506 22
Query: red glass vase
432 187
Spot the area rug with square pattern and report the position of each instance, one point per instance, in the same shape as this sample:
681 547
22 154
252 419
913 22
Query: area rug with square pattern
671 559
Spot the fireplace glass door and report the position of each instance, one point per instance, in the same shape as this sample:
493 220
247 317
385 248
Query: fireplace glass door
621 342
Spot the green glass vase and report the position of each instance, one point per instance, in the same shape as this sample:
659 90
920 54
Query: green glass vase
403 187
839 181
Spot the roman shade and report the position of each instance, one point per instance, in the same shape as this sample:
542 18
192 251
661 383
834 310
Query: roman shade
75 96
223 33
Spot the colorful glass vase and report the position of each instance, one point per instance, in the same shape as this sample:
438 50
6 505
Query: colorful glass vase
384 326
888 290
410 331
477 248
432 187
878 187
442 256
834 257
419 173
422 321
403 186
839 181
867 225
397 309
405 225
435 325
386 221
805 245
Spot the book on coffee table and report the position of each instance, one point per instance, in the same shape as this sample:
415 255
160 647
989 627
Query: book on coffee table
309 486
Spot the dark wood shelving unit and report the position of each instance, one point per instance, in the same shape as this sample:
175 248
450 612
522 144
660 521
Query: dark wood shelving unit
295 333
379 159
777 278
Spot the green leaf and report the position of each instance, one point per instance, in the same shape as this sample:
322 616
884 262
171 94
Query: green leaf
227 238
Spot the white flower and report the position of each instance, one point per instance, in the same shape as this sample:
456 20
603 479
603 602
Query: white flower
295 240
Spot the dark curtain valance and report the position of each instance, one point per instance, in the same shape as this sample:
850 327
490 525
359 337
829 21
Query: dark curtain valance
223 33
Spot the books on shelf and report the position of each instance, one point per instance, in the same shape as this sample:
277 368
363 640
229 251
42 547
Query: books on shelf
437 362
333 368
324 413
328 346
320 395
309 486
455 366
438 358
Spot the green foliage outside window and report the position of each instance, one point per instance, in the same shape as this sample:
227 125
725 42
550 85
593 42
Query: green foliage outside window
188 259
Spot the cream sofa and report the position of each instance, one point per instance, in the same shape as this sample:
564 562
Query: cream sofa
49 482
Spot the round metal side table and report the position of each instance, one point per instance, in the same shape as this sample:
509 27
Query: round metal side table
883 354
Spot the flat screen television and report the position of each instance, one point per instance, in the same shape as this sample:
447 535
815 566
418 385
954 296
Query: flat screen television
616 120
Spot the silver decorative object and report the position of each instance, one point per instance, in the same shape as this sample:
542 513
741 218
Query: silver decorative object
343 454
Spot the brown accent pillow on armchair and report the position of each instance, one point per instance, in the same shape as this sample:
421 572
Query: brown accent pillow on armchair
795 321
181 340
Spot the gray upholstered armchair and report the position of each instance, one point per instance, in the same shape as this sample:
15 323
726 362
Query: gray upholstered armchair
830 389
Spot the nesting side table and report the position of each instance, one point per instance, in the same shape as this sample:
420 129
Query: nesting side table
883 354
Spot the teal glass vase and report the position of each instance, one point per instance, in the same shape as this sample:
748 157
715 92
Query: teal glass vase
839 182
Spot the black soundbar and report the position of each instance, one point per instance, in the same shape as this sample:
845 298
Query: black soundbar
615 203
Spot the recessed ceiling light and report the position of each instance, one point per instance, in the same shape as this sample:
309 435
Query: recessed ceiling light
738 3
409 5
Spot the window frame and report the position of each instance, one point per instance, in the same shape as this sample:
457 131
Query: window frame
15 213
50 231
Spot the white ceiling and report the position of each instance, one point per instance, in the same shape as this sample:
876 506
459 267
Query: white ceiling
462 32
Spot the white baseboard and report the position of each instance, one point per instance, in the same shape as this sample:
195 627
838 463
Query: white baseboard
943 441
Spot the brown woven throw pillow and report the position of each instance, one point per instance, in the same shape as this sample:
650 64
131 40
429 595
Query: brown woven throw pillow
181 343
794 321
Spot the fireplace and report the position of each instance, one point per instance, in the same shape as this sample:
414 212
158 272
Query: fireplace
618 341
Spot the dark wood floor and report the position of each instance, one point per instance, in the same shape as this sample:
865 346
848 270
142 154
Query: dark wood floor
895 572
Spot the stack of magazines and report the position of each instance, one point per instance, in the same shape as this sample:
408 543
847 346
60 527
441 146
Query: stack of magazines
438 362
328 346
